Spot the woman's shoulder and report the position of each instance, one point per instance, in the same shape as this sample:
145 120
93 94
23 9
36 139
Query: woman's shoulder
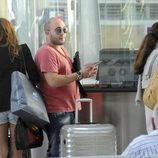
152 57
24 46
25 50
150 66
155 51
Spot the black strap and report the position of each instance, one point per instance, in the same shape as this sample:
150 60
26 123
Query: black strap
22 61
82 91
77 67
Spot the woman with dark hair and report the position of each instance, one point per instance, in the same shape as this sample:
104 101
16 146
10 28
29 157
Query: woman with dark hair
147 56
11 60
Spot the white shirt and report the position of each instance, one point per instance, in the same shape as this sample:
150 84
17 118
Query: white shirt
152 62
149 68
143 146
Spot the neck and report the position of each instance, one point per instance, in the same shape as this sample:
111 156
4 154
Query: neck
53 45
57 47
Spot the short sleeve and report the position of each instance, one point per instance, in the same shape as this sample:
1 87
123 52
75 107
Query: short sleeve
47 60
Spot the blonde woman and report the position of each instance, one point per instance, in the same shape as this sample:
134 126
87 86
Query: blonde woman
11 60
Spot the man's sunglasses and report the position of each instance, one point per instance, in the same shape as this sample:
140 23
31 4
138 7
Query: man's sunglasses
59 30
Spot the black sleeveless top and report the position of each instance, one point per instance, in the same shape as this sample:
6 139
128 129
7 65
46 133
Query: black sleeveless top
7 67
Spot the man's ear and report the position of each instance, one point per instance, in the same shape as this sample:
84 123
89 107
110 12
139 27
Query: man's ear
153 123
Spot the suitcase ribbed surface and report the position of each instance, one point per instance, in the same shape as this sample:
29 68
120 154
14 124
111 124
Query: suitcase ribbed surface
88 140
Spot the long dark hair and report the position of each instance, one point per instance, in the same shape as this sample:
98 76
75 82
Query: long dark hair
147 46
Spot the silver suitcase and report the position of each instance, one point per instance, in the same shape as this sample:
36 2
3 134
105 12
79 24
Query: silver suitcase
87 139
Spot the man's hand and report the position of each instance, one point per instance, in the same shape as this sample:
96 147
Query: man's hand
89 70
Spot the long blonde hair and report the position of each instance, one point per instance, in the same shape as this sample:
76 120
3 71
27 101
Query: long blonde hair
8 37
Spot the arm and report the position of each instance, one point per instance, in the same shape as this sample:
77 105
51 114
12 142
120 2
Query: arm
30 65
56 80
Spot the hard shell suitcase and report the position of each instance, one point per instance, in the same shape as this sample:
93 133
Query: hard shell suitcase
87 139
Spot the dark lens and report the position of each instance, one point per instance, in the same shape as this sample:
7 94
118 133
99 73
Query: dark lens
58 30
65 30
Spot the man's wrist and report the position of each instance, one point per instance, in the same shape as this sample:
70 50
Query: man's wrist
79 75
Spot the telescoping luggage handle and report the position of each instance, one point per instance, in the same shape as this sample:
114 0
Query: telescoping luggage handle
91 108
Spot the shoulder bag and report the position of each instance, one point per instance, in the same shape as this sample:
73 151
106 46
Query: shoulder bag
26 101
150 95
27 135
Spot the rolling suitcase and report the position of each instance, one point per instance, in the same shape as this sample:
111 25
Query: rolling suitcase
87 139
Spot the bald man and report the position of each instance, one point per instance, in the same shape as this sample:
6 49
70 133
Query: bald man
58 81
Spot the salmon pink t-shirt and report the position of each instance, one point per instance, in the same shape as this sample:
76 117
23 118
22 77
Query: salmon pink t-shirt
60 99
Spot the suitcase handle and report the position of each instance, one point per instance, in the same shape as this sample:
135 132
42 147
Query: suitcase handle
91 108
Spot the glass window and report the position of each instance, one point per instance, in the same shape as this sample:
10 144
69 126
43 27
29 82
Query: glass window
93 25
114 11
141 12
29 16
153 11
102 9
